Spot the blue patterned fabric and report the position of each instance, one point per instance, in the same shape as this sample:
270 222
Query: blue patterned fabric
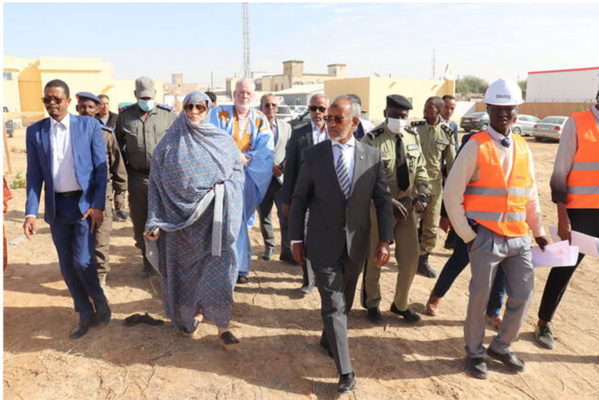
189 160
258 174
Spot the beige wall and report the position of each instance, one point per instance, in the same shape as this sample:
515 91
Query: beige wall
373 92
10 97
542 110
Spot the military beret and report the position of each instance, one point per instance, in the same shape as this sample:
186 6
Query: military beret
398 101
88 96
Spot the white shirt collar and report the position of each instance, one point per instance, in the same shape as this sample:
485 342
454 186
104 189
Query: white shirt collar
66 122
496 135
316 129
350 143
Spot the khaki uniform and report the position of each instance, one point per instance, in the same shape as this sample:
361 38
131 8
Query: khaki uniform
438 145
405 233
137 138
117 184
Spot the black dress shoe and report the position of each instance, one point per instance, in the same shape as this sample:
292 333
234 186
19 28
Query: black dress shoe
325 345
229 339
408 315
374 315
424 267
347 383
307 288
268 253
243 280
103 314
477 368
287 257
83 327
509 360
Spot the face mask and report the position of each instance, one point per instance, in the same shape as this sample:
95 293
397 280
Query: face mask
145 105
395 125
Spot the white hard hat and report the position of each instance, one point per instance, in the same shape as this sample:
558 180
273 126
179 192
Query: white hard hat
503 92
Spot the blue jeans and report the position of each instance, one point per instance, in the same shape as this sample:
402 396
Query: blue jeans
454 267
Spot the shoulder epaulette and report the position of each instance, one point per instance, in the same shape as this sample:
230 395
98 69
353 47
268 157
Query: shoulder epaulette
446 129
375 132
418 123
106 128
125 108
411 130
164 107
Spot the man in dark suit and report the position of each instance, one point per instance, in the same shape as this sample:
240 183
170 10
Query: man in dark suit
338 180
66 154
304 136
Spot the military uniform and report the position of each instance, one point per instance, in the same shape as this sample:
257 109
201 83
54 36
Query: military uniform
116 186
137 137
405 232
438 144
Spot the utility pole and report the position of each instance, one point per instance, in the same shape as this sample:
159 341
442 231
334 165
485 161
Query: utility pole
246 71
434 61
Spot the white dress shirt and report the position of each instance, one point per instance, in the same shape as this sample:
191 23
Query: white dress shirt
317 135
466 169
349 152
63 163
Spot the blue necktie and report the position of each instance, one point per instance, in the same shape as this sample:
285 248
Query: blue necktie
342 173
505 142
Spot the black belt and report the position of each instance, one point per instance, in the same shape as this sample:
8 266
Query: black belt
69 194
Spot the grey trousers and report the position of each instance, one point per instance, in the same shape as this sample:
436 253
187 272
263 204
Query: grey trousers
488 251
274 195
337 286
102 251
137 185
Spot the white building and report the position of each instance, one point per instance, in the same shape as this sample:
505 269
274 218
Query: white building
566 85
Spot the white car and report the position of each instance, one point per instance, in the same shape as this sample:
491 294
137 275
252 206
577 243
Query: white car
525 124
550 128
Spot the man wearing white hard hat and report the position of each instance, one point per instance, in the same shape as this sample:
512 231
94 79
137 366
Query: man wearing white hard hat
493 214
575 190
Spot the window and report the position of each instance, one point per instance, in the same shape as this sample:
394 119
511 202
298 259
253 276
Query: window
7 76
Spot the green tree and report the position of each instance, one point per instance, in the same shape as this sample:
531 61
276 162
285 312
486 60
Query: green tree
522 85
471 84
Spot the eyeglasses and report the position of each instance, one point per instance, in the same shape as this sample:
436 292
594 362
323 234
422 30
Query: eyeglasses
200 107
314 109
337 120
270 105
48 100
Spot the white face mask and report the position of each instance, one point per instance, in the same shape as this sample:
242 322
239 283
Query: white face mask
395 125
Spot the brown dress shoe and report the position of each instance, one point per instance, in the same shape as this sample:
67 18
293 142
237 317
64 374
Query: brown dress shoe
432 305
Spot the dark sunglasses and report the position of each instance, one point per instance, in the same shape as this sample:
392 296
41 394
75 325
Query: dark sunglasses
271 105
199 107
48 100
337 120
314 108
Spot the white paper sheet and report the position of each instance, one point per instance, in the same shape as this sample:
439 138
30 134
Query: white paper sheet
588 245
558 254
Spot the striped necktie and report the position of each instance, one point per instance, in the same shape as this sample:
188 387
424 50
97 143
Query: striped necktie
342 172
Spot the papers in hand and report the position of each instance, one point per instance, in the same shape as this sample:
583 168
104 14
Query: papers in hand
559 254
587 244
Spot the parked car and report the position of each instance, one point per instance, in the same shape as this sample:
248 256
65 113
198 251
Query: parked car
9 124
300 119
524 124
550 128
284 113
478 121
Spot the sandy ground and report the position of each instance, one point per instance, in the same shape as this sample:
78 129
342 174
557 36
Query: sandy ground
279 356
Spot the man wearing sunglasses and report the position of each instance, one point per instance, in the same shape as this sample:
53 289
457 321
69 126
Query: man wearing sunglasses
66 154
302 137
281 132
139 128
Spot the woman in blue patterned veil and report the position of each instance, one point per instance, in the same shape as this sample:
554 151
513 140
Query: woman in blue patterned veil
195 201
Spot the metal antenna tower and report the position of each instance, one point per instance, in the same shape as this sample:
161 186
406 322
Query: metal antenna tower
434 62
246 71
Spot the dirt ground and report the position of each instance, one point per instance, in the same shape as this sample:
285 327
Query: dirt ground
279 356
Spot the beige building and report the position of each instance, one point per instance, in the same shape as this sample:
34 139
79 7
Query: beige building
24 81
293 75
373 92
178 88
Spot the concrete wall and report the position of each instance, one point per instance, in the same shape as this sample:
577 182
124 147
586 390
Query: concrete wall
568 86
542 110
374 91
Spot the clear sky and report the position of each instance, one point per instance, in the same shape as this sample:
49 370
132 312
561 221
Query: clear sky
158 39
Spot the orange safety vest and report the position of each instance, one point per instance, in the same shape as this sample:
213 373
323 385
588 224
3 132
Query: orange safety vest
493 201
583 180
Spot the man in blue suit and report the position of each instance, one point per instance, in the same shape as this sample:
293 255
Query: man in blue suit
66 154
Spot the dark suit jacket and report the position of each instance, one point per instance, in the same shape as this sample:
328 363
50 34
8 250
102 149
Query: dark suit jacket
89 154
335 221
111 123
301 138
